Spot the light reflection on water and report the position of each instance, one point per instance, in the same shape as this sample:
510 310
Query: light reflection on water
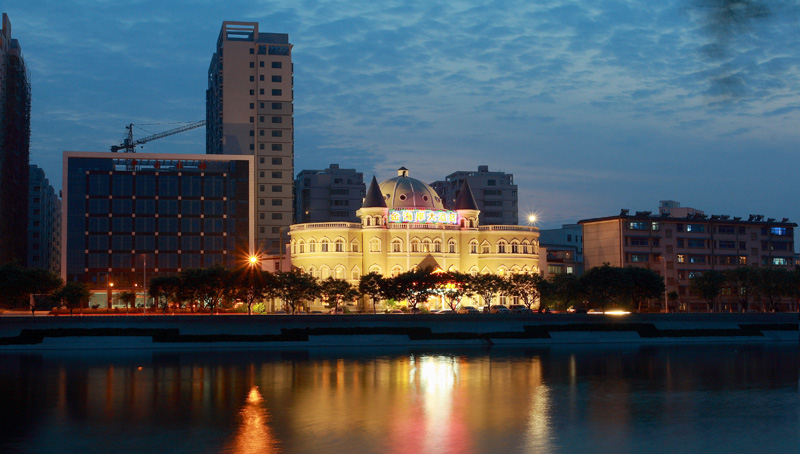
712 398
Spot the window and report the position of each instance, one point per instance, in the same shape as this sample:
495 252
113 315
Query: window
656 242
742 260
697 259
277 175
252 78
637 258
277 79
727 244
276 64
277 92
569 238
681 258
415 245
451 246
323 245
696 243
261 64
339 245
277 106
781 261
698 228
501 247
780 231
277 147
277 202
491 183
636 225
312 245
277 188
277 119
725 229
680 242
639 241
277 161
473 247
277 216
374 245
252 105
726 260
485 249
354 246
277 133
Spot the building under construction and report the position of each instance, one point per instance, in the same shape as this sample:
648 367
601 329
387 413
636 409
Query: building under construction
15 133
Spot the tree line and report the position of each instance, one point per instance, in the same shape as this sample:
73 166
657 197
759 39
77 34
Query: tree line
209 289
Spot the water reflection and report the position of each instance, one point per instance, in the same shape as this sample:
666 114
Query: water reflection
254 435
567 399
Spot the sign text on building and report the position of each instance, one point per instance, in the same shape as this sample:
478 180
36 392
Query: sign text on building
423 216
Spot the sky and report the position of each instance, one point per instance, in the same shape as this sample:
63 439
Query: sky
594 106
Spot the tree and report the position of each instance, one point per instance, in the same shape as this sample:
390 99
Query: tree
72 295
774 284
414 286
642 284
567 291
602 284
708 286
207 285
372 285
294 287
744 281
454 286
128 298
164 289
251 284
526 287
337 291
41 282
18 283
487 286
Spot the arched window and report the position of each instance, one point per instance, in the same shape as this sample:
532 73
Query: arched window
415 245
396 270
426 245
378 220
338 272
451 246
376 269
355 274
485 247
501 247
502 271
437 245
525 247
515 269
397 245
375 245
515 247
301 247
324 245
452 269
473 247
473 271
312 245
339 245
312 271
355 246
324 272
526 270
486 270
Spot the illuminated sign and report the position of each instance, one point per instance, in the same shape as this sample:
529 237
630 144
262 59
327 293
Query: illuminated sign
423 216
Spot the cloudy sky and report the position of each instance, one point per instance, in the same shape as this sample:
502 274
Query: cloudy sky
594 106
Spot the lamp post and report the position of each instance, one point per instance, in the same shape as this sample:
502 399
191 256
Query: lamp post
109 291
144 282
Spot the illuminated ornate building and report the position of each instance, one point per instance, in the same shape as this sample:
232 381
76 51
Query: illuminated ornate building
404 226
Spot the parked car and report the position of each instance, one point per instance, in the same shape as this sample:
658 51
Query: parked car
468 310
444 311
499 309
519 309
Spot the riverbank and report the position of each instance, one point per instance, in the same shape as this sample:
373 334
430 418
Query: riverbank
298 331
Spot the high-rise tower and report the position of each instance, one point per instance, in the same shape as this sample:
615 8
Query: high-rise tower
249 110
15 134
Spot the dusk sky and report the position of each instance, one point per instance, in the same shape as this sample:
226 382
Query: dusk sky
594 106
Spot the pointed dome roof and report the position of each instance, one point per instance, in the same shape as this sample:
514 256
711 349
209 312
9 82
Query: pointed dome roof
374 198
465 199
403 191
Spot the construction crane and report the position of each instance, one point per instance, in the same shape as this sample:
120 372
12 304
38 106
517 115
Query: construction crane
129 145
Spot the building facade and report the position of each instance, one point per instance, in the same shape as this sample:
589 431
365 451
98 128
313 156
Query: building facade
254 114
680 248
127 219
44 223
332 194
494 192
402 226
15 133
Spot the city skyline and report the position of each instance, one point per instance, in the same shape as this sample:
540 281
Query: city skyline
593 108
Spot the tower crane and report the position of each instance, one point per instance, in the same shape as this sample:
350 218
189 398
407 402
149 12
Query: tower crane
129 145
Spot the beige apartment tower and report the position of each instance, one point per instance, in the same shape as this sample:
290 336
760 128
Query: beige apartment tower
249 110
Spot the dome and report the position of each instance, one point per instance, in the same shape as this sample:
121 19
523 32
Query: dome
403 191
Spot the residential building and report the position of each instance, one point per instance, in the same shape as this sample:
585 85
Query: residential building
127 218
332 194
674 209
564 249
15 134
495 194
44 223
403 225
253 115
681 248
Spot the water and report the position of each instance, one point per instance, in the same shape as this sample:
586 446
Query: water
615 399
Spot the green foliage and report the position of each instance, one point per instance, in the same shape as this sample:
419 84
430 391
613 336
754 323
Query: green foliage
250 284
566 291
337 291
372 285
454 286
259 308
708 286
295 286
73 295
774 284
18 283
526 287
414 286
487 286
127 298
602 285
642 284
743 281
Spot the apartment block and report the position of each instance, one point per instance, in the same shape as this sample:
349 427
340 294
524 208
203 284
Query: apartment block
44 223
495 194
328 195
127 218
249 111
15 134
564 249
680 248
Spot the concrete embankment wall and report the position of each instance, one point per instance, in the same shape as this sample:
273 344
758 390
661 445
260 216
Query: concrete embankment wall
298 331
